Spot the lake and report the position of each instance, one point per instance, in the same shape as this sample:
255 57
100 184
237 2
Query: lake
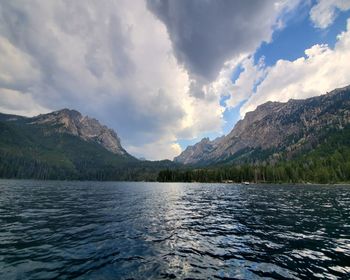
125 230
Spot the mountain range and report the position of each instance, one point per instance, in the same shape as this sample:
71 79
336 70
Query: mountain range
275 128
67 145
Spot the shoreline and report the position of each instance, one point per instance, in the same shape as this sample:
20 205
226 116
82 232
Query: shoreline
223 183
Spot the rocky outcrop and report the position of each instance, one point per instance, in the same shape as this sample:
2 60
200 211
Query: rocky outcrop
195 153
275 126
89 129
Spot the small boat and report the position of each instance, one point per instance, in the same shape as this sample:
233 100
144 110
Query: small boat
246 183
227 181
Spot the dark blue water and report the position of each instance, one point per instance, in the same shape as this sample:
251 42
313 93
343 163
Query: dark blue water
89 230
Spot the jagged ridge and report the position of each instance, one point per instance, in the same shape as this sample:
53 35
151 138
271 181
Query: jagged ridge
89 129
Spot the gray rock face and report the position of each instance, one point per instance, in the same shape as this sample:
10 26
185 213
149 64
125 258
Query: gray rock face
275 125
72 122
195 153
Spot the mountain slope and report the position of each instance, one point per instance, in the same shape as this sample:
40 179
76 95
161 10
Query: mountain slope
273 128
327 162
88 129
60 145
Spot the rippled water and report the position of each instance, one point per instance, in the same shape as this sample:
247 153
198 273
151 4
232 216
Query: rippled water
89 230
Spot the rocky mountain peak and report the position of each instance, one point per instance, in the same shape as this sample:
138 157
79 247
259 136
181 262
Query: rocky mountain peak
194 153
89 129
69 113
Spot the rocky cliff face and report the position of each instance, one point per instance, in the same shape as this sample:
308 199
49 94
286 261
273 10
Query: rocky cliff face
275 126
195 153
72 122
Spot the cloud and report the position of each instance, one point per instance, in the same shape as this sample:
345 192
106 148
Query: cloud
324 12
206 34
14 102
17 69
245 84
156 150
322 69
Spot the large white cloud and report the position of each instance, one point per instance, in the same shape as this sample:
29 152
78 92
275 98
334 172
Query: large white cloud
324 12
244 86
15 102
321 70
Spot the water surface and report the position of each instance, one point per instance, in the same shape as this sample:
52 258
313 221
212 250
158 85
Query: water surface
109 230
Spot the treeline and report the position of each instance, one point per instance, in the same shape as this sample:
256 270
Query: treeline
292 172
21 167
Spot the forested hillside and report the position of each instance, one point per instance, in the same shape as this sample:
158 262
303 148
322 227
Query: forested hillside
326 162
41 151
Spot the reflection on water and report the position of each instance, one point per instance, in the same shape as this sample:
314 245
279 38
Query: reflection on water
89 230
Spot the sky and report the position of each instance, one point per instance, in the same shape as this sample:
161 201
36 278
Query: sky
164 74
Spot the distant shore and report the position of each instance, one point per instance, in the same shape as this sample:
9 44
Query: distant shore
213 182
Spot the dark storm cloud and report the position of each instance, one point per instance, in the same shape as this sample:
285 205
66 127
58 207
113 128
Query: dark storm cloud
27 28
205 34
